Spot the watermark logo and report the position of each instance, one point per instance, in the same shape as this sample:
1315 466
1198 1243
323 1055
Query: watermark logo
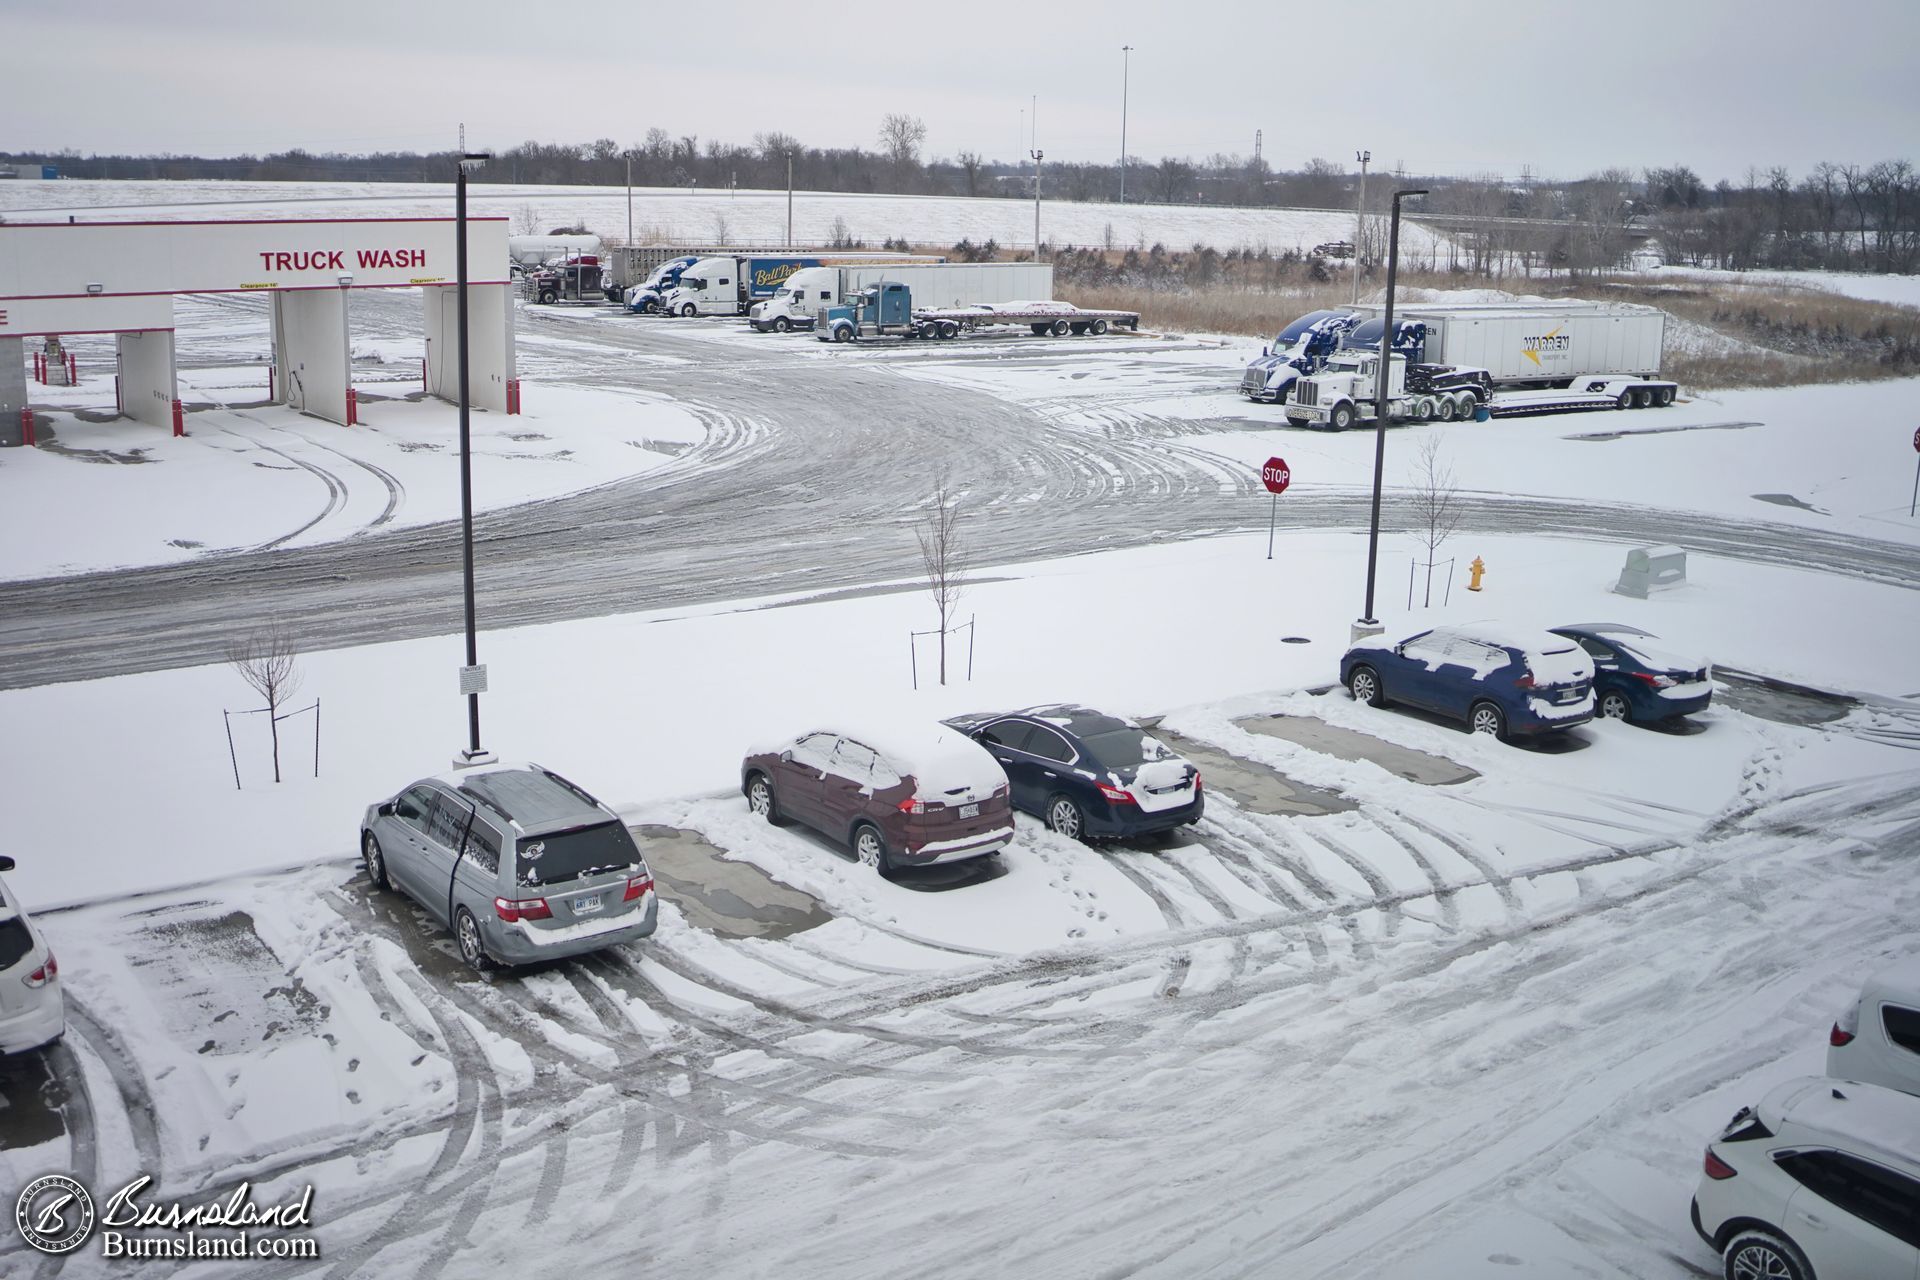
54 1214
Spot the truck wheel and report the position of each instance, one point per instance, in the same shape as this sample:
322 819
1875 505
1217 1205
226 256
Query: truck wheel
1061 328
1097 328
1445 409
1342 417
781 324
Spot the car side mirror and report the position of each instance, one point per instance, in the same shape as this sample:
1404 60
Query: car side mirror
6 863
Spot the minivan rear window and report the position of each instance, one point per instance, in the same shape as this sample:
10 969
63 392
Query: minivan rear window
569 855
16 940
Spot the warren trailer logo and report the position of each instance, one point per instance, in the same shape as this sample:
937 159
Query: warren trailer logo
1551 343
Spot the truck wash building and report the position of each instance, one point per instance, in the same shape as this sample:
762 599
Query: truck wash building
121 278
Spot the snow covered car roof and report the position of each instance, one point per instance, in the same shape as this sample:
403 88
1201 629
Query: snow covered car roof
1867 1117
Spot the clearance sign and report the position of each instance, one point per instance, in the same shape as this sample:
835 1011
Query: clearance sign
117 259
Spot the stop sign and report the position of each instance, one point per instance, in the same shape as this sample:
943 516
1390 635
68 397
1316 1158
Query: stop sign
1276 476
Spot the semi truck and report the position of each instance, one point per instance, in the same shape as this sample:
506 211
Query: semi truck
1510 358
1298 349
948 284
885 310
728 284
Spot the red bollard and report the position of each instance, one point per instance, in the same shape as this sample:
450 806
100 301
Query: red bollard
179 419
26 427
353 407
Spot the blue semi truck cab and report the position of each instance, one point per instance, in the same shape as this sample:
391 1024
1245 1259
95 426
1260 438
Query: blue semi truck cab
1298 350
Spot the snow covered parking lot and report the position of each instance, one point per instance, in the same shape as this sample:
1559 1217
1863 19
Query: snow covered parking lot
1477 1024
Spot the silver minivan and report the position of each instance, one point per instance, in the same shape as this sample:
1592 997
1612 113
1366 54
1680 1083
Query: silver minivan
521 864
33 1013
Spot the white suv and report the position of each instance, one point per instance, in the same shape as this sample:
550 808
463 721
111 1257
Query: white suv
1877 1037
32 1012
1821 1181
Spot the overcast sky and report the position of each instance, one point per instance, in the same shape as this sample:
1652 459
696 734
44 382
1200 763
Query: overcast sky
1564 87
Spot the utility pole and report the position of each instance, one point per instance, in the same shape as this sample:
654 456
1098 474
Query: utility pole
1359 225
1037 155
1126 65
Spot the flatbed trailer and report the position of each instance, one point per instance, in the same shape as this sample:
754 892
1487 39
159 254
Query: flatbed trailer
886 310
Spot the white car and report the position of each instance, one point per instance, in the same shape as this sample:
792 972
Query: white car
1877 1037
1821 1181
33 1014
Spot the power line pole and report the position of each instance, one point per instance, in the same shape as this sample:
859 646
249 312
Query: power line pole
1126 65
1359 215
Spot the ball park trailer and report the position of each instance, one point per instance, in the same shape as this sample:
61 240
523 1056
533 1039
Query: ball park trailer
1513 359
947 284
885 310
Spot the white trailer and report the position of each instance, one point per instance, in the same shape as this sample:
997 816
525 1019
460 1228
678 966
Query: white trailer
934 284
1511 358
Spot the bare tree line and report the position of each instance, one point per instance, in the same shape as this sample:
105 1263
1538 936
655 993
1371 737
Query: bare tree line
1837 216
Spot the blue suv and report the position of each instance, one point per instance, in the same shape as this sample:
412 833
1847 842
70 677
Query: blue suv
1505 682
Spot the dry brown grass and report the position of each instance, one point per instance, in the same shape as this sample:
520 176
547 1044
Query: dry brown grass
1793 335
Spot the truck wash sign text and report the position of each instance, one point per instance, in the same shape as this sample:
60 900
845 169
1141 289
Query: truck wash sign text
335 260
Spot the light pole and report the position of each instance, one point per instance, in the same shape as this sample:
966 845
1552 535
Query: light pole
1359 224
1037 155
1381 376
473 678
1126 65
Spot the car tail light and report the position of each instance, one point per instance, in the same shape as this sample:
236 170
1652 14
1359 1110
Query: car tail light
637 885
1845 1027
511 910
1115 795
44 974
1717 1169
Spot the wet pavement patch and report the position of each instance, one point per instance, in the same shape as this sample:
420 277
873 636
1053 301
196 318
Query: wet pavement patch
1780 700
1347 744
1255 787
221 988
728 898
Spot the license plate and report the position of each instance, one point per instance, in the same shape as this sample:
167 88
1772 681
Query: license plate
586 905
969 810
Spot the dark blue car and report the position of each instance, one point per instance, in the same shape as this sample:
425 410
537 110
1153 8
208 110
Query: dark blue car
1088 774
1498 680
1632 680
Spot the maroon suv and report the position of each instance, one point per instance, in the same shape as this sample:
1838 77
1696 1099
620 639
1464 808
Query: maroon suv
900 798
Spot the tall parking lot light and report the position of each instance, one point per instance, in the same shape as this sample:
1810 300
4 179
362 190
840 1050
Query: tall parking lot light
473 677
1368 622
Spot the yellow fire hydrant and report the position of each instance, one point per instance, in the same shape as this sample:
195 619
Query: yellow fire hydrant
1476 568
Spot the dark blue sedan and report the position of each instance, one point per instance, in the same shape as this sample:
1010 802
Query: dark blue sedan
1635 681
1088 774
1499 680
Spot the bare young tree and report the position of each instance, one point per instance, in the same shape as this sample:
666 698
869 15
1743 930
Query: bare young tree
1437 507
266 659
900 137
944 552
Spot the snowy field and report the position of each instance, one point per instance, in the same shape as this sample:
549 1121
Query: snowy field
662 215
1406 1002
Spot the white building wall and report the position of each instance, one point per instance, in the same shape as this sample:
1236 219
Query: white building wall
311 352
490 326
147 376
